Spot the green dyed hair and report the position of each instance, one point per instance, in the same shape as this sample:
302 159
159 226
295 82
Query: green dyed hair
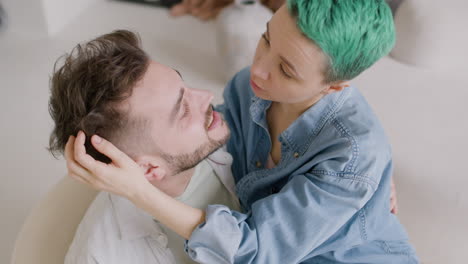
354 34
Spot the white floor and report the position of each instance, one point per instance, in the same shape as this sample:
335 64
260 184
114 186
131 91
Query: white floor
432 208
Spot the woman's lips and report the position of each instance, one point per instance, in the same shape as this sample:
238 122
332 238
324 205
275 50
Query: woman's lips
255 86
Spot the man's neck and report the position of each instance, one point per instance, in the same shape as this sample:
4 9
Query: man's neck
175 185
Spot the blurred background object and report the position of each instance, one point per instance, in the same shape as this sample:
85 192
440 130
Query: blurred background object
394 4
159 3
432 34
2 17
238 30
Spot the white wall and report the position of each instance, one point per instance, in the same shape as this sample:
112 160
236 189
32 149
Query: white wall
35 18
28 49
25 17
59 13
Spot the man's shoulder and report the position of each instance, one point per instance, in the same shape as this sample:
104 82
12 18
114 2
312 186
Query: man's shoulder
114 231
99 219
97 227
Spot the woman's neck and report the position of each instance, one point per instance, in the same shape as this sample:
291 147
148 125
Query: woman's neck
293 110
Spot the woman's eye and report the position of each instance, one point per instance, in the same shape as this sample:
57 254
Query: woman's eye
186 110
284 72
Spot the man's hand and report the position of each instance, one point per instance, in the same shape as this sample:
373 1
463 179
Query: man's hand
202 9
122 177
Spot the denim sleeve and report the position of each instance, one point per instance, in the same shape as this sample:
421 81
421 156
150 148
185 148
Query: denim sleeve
234 96
283 227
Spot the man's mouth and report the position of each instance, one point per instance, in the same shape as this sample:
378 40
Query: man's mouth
209 117
210 120
213 119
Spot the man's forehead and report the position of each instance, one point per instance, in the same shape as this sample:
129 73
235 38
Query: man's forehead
157 90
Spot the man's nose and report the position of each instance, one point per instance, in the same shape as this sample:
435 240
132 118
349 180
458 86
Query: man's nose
205 98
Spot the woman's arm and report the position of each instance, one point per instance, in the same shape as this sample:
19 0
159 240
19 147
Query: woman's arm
281 228
125 178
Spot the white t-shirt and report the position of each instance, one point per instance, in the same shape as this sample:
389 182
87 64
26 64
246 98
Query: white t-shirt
114 231
205 188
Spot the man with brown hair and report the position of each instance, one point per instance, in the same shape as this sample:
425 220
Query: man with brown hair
110 87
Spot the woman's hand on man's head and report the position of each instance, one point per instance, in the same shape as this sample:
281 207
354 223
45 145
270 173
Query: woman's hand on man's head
122 176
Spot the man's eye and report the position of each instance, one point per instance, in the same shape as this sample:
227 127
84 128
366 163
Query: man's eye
186 110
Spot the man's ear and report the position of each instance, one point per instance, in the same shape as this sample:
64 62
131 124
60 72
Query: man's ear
152 168
337 87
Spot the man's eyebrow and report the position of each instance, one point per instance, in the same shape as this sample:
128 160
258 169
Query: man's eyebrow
176 108
290 65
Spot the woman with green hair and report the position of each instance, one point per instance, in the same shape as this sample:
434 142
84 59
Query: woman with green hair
312 163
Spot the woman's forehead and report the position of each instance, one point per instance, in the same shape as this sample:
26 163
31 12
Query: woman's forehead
291 43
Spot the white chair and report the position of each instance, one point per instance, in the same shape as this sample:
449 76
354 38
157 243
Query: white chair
50 228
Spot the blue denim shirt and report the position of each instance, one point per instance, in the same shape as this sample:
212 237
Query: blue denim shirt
328 199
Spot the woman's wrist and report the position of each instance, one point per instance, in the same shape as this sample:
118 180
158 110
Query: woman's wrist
139 195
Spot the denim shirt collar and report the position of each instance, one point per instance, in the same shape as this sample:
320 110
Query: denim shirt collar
309 123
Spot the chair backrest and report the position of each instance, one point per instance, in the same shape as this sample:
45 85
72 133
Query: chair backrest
50 227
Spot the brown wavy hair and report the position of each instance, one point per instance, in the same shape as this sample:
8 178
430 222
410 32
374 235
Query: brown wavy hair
88 87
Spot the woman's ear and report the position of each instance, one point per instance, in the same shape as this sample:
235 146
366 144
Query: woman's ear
337 87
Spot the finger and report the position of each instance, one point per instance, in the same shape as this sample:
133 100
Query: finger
395 207
179 10
211 14
72 166
75 169
68 153
107 148
82 158
206 7
194 4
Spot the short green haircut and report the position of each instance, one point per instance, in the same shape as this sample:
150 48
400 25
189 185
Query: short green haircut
354 34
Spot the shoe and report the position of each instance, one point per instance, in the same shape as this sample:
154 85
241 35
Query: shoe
239 27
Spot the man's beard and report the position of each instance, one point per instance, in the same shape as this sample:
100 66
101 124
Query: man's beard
183 162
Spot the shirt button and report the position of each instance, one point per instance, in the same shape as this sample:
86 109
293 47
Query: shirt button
192 253
258 164
296 155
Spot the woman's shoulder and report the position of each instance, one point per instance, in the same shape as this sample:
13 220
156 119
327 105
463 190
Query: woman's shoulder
238 88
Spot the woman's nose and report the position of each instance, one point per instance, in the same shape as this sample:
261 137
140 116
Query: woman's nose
260 68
